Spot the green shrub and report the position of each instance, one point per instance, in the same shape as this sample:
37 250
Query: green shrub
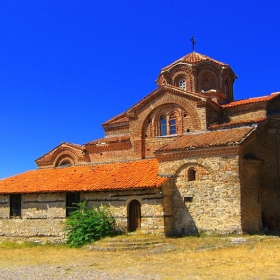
87 225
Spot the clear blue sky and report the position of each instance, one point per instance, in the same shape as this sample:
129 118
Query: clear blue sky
68 66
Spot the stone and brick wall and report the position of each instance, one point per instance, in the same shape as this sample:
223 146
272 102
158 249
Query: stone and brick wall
211 202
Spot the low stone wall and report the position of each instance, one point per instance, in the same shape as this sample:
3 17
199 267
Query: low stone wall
151 200
43 215
42 218
32 230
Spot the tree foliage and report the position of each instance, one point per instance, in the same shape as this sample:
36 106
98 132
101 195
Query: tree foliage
87 225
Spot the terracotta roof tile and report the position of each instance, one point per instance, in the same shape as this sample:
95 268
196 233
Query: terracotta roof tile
237 123
209 139
251 100
113 176
121 118
109 140
193 58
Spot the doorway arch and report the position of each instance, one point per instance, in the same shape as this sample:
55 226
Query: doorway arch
134 215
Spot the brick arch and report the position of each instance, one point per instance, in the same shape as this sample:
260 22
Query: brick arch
177 167
178 70
129 199
183 75
184 104
187 71
211 83
64 153
162 110
179 76
64 158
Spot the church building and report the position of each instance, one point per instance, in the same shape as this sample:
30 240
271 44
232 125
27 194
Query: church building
186 158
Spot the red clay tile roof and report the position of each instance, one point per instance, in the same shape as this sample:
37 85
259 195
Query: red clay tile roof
227 137
251 100
108 140
121 118
237 123
193 58
112 176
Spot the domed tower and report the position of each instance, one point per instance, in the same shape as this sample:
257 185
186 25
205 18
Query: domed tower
201 74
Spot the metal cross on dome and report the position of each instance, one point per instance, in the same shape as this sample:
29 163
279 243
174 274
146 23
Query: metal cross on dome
193 43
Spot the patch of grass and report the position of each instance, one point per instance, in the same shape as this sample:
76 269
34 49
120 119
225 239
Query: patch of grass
17 245
194 258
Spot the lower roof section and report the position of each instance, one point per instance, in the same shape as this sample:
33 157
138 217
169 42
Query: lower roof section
101 177
219 138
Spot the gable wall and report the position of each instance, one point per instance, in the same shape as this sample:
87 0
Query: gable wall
126 153
144 129
54 157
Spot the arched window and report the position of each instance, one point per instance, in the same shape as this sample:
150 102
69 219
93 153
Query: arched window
226 87
207 81
163 125
167 124
65 163
172 125
191 174
182 84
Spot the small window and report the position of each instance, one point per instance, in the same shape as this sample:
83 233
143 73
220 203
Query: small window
191 174
65 163
182 84
71 198
188 199
15 205
163 126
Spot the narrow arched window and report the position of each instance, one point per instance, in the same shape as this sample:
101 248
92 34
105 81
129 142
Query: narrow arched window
226 88
172 125
182 84
191 174
163 125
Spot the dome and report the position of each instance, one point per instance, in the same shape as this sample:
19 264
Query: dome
193 58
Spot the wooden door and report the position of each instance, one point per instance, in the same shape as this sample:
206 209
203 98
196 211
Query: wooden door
134 215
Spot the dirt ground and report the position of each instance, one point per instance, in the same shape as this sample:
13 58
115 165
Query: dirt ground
250 257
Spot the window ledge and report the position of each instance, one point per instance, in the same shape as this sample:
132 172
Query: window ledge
167 136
